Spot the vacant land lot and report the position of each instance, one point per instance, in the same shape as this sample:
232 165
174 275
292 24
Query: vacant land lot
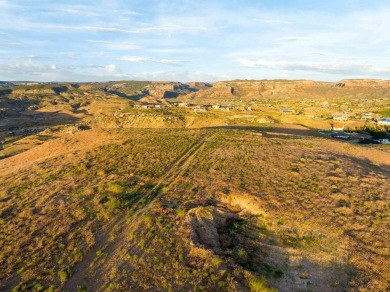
212 209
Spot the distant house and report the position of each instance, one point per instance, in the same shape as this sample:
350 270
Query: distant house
340 117
385 121
182 104
200 109
224 108
382 141
366 116
337 127
215 106
148 106
286 111
248 108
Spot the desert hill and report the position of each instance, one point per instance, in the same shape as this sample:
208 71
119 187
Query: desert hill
252 89
165 186
210 209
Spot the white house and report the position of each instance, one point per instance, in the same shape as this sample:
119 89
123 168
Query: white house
385 121
337 127
340 117
366 116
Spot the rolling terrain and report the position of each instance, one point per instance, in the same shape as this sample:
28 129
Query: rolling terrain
99 195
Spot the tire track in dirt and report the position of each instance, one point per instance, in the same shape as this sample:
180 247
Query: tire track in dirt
172 172
83 276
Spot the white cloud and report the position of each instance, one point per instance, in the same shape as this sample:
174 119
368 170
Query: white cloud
296 41
115 45
138 59
4 4
4 44
185 50
272 21
319 53
77 10
130 13
323 67
69 55
183 76
293 39
111 69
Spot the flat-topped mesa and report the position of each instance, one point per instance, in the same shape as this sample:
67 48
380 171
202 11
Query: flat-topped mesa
198 84
352 83
164 89
33 91
40 90
256 88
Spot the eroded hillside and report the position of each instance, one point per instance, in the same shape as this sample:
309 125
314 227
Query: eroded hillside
283 89
219 209
164 186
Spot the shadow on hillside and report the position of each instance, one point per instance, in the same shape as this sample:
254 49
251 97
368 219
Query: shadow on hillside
31 121
21 113
14 127
11 105
123 95
286 260
171 94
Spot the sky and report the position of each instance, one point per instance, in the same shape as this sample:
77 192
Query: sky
188 40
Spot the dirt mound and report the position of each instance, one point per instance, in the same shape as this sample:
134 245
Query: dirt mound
205 223
244 203
65 144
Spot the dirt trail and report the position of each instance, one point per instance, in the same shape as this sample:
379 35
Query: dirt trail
83 272
172 172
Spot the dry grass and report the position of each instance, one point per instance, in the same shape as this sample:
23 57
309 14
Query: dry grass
106 210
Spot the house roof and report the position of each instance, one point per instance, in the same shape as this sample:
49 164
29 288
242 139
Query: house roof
338 125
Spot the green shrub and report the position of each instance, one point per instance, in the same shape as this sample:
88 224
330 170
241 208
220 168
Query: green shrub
115 188
180 213
259 284
241 253
221 284
63 274
343 203
216 261
114 203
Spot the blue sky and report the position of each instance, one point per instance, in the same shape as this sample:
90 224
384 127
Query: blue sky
191 40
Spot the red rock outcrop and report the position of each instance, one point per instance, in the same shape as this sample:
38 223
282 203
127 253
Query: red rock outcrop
366 83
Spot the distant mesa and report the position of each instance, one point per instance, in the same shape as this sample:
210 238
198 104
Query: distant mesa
352 83
136 90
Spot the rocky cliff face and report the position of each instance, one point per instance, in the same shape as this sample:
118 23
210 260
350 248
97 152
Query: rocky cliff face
33 91
278 88
159 89
248 89
366 83
39 90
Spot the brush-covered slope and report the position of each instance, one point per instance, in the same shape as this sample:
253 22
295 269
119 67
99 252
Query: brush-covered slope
195 210
239 90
